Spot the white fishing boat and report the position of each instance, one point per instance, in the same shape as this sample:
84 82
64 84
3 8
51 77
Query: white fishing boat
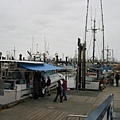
70 68
17 77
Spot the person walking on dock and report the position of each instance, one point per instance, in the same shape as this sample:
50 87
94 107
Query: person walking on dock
48 85
111 79
64 85
117 79
59 91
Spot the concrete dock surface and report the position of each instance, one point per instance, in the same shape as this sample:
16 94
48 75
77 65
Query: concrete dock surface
78 103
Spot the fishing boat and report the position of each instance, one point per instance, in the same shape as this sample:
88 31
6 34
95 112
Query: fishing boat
93 71
17 78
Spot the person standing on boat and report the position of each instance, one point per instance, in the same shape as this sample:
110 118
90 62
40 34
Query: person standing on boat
64 85
59 91
48 85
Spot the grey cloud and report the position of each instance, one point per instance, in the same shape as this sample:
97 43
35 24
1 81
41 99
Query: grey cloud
59 21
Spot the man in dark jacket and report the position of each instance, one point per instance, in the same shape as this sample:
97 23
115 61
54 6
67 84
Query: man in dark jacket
59 91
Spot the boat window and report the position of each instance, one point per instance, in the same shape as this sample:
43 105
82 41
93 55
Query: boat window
9 85
16 74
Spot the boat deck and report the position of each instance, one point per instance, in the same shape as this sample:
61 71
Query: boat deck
79 102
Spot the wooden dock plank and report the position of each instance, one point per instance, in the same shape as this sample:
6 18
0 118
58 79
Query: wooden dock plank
82 103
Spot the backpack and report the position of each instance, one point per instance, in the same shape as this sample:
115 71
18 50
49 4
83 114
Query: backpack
59 87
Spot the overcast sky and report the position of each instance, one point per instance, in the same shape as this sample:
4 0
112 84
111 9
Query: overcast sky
56 24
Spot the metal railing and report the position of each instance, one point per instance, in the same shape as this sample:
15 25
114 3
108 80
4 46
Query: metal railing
104 111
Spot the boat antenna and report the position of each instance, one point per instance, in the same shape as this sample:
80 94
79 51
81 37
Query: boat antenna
14 50
32 45
37 48
45 45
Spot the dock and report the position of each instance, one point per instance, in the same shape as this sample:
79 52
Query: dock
78 103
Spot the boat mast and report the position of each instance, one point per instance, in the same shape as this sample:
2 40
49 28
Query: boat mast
86 21
94 39
103 31
94 30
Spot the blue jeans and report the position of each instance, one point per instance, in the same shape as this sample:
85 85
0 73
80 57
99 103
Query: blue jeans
64 95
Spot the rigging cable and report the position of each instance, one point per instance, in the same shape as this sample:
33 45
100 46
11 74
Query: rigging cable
98 44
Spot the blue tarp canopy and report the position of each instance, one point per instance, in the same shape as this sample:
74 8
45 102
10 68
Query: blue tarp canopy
105 68
39 67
